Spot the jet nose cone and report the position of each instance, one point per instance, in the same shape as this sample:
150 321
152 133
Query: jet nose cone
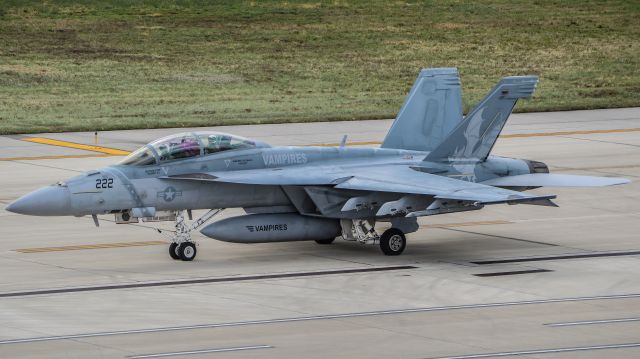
47 201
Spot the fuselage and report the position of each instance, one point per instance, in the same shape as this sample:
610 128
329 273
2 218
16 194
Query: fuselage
123 187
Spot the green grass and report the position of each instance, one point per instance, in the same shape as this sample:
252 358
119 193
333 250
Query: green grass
119 64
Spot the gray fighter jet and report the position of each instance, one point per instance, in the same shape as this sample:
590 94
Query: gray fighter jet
432 161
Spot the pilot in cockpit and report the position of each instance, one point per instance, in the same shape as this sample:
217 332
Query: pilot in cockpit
218 143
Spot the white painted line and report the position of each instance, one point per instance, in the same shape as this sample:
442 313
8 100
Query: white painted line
542 351
317 317
588 322
203 351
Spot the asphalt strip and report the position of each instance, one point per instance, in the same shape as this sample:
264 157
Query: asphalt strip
202 281
318 317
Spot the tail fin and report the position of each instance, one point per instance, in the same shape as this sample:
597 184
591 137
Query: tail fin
431 110
475 136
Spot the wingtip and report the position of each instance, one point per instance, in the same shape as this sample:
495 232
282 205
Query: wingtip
619 181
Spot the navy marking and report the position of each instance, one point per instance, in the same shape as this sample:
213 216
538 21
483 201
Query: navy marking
128 185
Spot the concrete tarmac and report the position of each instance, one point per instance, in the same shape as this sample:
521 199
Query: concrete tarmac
505 281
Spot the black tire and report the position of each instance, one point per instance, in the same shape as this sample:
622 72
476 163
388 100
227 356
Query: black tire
393 242
325 241
173 251
187 251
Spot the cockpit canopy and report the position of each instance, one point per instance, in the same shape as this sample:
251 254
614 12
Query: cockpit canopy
186 145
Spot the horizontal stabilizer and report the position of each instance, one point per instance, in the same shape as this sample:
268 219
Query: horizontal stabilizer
554 180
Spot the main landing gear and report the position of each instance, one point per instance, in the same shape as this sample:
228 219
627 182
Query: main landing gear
392 241
182 247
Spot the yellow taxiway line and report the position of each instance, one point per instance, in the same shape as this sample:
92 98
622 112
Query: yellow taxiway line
514 135
564 133
107 151
31 158
89 246
79 146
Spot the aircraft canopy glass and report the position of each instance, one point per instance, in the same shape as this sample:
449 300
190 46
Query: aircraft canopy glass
140 157
186 145
175 147
216 142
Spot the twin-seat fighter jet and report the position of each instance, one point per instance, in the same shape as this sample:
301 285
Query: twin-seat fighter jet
433 161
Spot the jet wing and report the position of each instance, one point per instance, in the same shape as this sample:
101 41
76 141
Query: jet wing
382 178
554 180
405 180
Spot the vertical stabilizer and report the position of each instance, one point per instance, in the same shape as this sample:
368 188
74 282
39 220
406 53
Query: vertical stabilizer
475 136
431 110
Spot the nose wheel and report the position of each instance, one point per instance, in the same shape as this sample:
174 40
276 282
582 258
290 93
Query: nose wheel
173 251
182 247
185 251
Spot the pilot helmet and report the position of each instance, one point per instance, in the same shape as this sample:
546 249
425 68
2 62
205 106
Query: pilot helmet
213 139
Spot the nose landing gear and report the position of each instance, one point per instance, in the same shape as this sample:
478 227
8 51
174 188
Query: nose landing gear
182 247
173 250
187 251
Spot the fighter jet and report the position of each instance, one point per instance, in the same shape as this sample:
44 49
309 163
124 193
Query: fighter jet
433 161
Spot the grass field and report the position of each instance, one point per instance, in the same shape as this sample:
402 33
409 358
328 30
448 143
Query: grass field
119 64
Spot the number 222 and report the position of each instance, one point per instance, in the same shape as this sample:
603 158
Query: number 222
104 183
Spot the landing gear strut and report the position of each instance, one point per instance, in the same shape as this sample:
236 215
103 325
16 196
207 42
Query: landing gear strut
392 242
182 247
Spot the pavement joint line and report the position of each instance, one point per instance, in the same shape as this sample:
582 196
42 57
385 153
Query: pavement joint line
590 322
203 281
541 351
557 257
200 351
89 246
318 317
107 151
514 272
501 237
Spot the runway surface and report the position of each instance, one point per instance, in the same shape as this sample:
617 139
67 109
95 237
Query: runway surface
507 281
